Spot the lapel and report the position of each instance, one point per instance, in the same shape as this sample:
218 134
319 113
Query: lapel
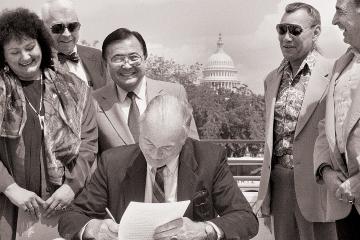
187 176
315 91
271 94
153 89
135 180
87 58
339 67
109 104
353 115
91 65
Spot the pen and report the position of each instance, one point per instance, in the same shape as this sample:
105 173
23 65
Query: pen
109 213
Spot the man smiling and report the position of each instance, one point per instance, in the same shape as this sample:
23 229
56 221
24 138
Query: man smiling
295 102
64 26
120 103
337 154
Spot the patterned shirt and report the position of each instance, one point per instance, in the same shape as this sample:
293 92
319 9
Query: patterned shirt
288 104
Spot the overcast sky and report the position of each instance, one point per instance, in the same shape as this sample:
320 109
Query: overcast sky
187 30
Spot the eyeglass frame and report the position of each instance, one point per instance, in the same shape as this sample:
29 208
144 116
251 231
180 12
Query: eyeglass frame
126 59
291 25
66 26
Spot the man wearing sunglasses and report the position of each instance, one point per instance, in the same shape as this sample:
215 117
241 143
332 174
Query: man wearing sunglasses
64 26
120 103
295 103
337 149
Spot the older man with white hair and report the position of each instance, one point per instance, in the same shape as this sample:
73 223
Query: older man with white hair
63 23
165 166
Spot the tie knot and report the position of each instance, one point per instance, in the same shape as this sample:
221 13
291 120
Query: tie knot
73 57
160 169
131 95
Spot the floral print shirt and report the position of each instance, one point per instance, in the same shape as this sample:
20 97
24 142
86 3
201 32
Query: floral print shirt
288 105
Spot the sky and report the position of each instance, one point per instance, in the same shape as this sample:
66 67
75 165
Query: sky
187 30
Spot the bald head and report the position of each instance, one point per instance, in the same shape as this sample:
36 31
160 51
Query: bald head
164 127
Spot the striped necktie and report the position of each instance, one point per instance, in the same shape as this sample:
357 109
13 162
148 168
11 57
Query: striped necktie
158 193
134 114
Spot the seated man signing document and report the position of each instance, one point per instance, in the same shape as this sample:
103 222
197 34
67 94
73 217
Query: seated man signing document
165 166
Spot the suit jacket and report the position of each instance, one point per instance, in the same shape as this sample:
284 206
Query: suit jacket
113 128
92 61
309 194
204 177
326 149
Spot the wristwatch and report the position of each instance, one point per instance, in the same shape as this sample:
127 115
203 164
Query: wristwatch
210 232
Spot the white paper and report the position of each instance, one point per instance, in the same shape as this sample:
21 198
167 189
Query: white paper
140 219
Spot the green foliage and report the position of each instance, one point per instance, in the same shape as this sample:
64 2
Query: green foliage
218 114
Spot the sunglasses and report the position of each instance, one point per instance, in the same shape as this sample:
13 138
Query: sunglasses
293 29
60 27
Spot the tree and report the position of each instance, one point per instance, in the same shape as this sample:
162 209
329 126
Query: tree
218 114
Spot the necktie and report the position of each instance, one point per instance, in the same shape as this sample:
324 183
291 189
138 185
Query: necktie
158 193
74 57
133 119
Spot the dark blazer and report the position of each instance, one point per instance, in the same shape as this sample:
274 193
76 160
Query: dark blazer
204 177
92 61
113 128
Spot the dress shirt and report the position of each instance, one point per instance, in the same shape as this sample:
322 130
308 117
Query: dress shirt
344 92
125 102
170 181
170 187
288 105
77 68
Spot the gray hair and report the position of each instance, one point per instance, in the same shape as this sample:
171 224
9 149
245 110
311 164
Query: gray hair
168 110
313 12
45 9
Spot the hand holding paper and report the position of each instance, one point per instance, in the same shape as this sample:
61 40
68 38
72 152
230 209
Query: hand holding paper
140 219
182 228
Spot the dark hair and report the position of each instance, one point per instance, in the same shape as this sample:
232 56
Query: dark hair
122 34
313 12
357 3
19 23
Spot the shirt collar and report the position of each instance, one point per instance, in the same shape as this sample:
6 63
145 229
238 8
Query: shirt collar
356 54
309 61
140 91
170 169
75 49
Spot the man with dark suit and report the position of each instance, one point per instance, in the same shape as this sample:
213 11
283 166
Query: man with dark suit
295 102
187 169
124 53
337 149
64 26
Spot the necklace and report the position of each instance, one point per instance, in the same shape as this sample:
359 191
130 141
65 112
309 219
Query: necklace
38 113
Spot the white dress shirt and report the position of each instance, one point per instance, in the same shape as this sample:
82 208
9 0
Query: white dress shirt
170 181
343 96
125 102
77 68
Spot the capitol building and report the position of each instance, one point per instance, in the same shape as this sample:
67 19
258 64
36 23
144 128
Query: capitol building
220 71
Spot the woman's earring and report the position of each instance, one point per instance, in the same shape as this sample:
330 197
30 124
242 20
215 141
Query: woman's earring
6 68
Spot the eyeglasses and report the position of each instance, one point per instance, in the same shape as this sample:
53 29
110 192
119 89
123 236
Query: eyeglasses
133 59
293 29
60 27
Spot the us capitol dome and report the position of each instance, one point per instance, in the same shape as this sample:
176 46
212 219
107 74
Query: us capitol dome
220 71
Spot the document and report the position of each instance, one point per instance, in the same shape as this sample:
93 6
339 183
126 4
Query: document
140 219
